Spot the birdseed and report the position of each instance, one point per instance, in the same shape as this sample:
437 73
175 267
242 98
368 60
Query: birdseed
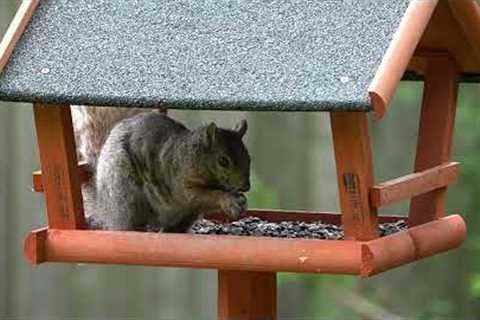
254 226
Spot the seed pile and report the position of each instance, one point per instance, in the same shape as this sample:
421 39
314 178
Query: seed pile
253 226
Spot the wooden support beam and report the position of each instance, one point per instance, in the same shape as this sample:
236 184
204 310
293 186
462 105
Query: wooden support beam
435 133
414 184
84 175
247 295
34 248
414 244
163 110
60 178
453 29
239 253
399 52
16 29
252 254
467 15
353 158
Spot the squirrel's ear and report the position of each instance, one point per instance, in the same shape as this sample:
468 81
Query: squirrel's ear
210 135
241 128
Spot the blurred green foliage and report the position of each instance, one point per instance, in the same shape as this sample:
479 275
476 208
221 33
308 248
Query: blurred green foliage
261 195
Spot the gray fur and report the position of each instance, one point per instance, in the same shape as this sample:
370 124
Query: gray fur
92 126
153 171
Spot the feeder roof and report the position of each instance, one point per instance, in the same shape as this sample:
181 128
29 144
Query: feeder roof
256 55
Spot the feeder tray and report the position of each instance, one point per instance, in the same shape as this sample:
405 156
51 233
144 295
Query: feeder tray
341 57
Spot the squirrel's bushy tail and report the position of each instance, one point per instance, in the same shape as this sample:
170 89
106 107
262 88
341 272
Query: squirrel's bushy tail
92 125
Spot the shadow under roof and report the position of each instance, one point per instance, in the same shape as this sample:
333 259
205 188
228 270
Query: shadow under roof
259 55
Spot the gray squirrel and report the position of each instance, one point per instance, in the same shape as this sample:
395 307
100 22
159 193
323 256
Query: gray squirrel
151 172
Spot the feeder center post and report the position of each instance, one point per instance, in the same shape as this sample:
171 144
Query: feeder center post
247 295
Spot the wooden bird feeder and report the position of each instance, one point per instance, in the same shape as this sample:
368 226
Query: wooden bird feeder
343 57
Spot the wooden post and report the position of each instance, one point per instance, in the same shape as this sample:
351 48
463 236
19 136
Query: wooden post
435 134
163 110
15 30
354 173
60 178
247 295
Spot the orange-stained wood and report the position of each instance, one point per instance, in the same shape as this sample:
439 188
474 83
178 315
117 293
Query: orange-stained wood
435 134
429 26
417 64
446 33
16 29
416 243
467 15
354 174
84 175
247 295
245 253
420 61
60 178
34 248
200 251
399 53
414 184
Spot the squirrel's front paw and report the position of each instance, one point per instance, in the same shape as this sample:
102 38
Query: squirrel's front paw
234 204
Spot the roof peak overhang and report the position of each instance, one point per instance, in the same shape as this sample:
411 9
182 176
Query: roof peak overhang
429 28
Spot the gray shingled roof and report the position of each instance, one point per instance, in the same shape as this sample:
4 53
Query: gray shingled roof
217 54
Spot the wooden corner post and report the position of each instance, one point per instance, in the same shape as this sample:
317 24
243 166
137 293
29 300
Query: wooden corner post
435 133
60 177
245 295
353 158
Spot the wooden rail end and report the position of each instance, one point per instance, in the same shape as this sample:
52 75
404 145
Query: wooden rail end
34 246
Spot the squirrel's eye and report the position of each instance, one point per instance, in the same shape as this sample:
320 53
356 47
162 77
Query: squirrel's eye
223 161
